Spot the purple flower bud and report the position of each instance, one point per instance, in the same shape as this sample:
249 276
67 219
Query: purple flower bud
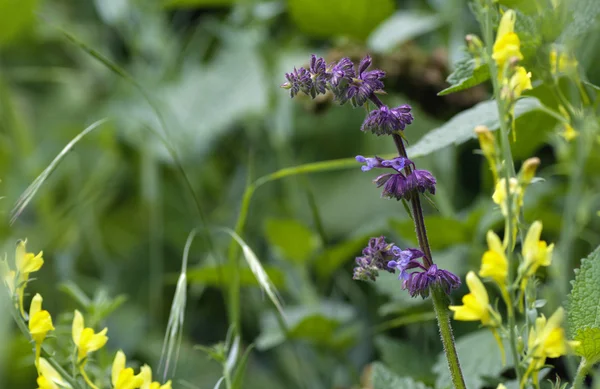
376 256
386 121
319 76
342 72
421 180
298 81
394 186
418 283
365 83
405 262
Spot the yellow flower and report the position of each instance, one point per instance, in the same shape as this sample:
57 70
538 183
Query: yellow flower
561 62
499 196
519 82
569 133
476 304
123 378
146 372
40 323
536 253
48 377
9 277
487 142
494 263
86 339
26 263
547 339
507 44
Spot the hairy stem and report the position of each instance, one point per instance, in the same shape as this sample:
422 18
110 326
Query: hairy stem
438 296
582 372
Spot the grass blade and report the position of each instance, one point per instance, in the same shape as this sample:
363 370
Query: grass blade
26 197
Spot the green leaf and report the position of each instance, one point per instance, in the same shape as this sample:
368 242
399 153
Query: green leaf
399 28
352 18
16 17
332 258
293 240
320 324
460 128
442 231
218 275
240 372
382 378
467 74
525 6
479 357
583 316
399 356
584 18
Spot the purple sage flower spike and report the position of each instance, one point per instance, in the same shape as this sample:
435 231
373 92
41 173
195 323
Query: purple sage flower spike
342 71
419 283
319 76
421 180
386 121
376 256
298 81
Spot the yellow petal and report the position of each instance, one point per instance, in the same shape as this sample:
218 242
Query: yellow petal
32 263
36 305
469 311
127 380
146 373
44 383
77 327
90 341
46 370
117 366
20 252
167 385
494 266
507 24
39 325
477 289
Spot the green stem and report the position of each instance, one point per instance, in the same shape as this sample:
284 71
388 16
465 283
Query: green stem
582 372
440 305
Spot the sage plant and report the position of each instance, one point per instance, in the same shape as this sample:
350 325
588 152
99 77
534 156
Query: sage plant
401 181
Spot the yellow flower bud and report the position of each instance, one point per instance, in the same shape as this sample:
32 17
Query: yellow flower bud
507 44
40 323
494 263
528 170
519 82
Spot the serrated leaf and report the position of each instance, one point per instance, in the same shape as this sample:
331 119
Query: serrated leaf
479 357
589 344
467 74
401 27
294 240
461 127
352 18
585 15
583 315
382 378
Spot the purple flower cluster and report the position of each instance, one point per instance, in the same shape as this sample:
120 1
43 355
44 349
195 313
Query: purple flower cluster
398 185
345 82
387 121
380 255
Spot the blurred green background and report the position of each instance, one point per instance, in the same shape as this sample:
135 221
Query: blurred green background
200 79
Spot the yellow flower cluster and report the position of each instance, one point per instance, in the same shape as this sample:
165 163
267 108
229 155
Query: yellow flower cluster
85 339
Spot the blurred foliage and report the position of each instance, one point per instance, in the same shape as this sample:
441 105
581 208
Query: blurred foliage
190 91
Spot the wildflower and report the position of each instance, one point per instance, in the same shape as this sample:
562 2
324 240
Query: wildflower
507 44
421 180
487 142
499 197
123 378
86 339
561 62
528 170
298 81
40 323
371 163
569 133
49 378
419 283
535 253
26 263
342 72
476 304
403 260
365 83
386 121
494 263
9 276
146 373
519 82
319 75
377 256
546 339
